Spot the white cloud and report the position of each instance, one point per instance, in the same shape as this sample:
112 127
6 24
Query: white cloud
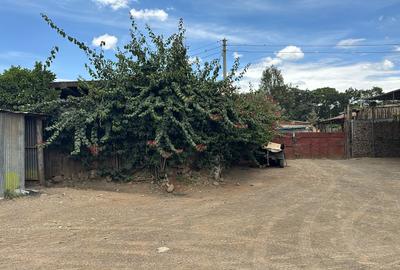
362 75
114 4
290 53
269 61
110 41
237 55
397 48
209 33
345 43
387 64
149 14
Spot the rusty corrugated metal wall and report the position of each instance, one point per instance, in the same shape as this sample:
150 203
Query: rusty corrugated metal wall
31 155
12 152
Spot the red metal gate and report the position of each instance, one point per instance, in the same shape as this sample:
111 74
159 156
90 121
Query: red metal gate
314 145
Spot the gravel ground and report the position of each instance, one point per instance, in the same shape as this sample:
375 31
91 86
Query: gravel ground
314 214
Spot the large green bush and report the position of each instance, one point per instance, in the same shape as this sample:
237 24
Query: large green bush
152 107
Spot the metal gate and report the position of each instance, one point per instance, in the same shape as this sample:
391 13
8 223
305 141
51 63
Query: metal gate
314 145
31 154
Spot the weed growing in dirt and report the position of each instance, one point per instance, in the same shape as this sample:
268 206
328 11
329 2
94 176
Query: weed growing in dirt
10 195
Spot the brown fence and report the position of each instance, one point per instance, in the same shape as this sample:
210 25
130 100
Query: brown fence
59 163
297 145
314 145
391 112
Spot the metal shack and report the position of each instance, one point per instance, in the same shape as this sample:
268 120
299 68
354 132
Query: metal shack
20 157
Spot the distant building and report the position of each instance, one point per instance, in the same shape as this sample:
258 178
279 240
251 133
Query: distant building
295 126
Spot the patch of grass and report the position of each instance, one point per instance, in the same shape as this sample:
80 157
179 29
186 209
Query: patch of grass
10 195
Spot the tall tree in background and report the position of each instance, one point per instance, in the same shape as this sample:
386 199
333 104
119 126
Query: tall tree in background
297 104
22 87
328 102
312 118
353 94
271 80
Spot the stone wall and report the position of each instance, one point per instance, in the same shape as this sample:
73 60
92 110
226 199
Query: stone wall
387 139
381 139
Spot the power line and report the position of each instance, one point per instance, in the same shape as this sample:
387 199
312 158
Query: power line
317 52
205 46
315 45
208 50
210 55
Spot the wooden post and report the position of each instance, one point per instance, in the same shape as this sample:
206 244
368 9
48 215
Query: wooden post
373 132
348 132
39 147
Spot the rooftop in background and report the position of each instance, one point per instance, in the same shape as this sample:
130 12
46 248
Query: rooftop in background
294 126
38 115
64 84
393 95
337 119
69 88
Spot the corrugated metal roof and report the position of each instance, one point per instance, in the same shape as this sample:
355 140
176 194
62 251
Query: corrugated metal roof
339 118
393 95
24 113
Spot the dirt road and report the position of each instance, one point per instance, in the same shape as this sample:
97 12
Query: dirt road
315 214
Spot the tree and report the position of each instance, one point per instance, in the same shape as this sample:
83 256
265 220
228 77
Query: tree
312 118
354 95
271 80
22 87
328 102
152 107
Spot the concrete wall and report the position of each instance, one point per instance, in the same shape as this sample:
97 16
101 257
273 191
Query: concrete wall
375 139
12 152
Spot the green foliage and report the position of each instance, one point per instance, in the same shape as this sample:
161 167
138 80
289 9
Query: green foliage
328 102
11 194
300 104
312 118
151 107
21 87
271 80
353 94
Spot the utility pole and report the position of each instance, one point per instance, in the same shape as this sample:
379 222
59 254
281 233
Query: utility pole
224 57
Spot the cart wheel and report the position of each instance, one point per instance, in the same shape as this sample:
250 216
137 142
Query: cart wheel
282 163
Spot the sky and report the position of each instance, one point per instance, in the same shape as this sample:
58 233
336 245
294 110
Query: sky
316 43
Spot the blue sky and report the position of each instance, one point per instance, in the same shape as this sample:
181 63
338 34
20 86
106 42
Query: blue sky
316 43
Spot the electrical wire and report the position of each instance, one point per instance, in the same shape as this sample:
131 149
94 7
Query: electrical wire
315 46
208 50
317 52
203 47
210 55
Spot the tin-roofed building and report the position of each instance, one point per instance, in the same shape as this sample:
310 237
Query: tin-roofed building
20 157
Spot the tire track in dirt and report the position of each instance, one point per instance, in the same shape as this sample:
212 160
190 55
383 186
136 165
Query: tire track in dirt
277 219
347 227
299 202
305 234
